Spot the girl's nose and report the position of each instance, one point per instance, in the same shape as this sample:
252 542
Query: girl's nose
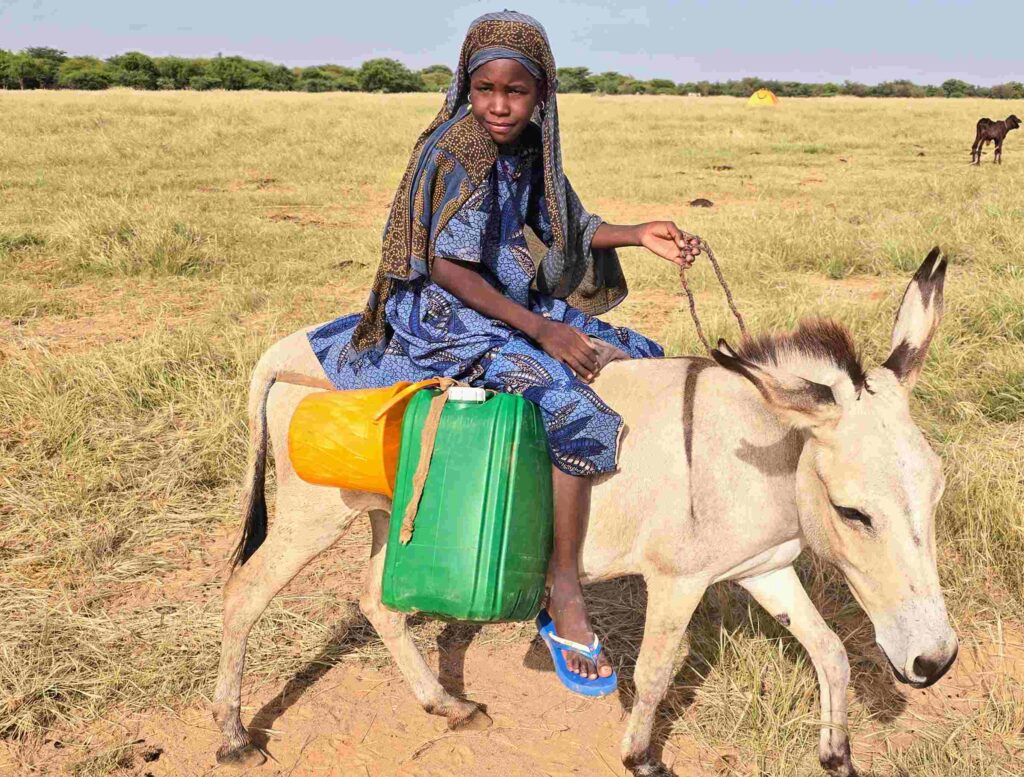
499 105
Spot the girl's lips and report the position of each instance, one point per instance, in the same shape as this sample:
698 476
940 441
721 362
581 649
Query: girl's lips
501 129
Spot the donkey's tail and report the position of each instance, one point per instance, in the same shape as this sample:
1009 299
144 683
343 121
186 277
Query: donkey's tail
254 502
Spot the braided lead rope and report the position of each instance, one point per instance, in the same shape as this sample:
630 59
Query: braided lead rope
706 249
693 310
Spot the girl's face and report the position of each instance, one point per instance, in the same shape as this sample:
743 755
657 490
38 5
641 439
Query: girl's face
503 94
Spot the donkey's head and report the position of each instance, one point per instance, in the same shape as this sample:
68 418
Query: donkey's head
867 482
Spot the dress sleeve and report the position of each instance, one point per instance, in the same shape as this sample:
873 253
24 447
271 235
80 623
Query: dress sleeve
460 236
583 225
601 284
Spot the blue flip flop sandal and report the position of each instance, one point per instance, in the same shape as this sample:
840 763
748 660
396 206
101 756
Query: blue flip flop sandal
602 686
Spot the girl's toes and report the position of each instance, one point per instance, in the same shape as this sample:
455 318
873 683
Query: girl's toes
570 662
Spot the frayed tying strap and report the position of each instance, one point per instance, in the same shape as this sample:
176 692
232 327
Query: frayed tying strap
427 439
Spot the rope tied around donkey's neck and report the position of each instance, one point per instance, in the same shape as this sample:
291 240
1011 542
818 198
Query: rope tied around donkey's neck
706 249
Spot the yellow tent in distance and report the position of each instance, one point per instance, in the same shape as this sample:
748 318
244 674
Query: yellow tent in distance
763 97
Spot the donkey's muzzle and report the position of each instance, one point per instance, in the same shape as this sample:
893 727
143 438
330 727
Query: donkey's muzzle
928 670
933 670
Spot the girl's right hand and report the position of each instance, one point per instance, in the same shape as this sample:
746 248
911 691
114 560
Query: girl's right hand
570 346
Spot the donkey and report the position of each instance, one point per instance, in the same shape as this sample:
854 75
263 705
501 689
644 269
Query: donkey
727 472
994 131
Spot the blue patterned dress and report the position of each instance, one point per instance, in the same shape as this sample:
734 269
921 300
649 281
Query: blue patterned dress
435 334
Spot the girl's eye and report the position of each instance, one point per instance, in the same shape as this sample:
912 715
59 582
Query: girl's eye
853 515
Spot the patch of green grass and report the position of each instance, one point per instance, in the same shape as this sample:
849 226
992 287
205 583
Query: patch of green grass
1013 270
130 249
12 242
998 316
1005 402
902 257
836 267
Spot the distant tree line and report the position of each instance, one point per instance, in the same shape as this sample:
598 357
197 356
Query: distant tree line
580 79
49 68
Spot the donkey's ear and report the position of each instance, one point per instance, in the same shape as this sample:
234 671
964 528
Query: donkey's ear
917 320
800 403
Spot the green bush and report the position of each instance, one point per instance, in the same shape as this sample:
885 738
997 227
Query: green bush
574 79
436 78
84 73
388 75
204 83
134 69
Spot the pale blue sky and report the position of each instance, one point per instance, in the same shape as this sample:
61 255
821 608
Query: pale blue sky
868 41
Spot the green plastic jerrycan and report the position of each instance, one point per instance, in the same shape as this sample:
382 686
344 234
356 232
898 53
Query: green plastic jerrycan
482 536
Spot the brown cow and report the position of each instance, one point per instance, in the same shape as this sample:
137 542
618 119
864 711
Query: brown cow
994 131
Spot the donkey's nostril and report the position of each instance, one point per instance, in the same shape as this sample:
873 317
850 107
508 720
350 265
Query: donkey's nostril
931 670
925 667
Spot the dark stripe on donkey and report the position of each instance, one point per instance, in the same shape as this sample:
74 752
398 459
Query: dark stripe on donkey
695 368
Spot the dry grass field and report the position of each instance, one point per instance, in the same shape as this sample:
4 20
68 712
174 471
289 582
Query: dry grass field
153 244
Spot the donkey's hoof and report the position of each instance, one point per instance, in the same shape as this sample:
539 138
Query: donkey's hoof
244 757
476 720
651 769
839 764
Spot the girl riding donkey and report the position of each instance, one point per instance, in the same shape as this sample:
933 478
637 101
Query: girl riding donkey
457 293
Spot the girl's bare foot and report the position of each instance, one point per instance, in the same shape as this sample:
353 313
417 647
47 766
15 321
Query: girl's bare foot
569 612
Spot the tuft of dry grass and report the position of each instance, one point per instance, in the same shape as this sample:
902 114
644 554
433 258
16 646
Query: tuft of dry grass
153 245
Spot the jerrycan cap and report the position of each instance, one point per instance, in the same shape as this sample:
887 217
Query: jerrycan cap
466 394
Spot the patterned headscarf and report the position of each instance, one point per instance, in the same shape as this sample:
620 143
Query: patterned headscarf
406 245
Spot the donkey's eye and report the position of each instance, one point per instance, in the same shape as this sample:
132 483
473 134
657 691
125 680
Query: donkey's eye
853 515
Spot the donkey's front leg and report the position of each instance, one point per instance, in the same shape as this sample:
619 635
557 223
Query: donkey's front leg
781 593
670 603
393 630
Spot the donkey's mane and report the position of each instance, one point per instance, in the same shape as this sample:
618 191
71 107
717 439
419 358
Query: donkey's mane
818 342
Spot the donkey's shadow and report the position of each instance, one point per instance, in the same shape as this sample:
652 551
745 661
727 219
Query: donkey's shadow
617 610
346 638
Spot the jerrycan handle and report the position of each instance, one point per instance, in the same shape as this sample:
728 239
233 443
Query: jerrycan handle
443 383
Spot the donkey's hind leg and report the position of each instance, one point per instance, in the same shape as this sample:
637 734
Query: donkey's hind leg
394 631
297 536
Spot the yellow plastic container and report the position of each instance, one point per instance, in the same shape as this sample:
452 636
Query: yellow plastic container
350 439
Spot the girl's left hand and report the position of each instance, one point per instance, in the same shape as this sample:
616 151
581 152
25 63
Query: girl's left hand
668 241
